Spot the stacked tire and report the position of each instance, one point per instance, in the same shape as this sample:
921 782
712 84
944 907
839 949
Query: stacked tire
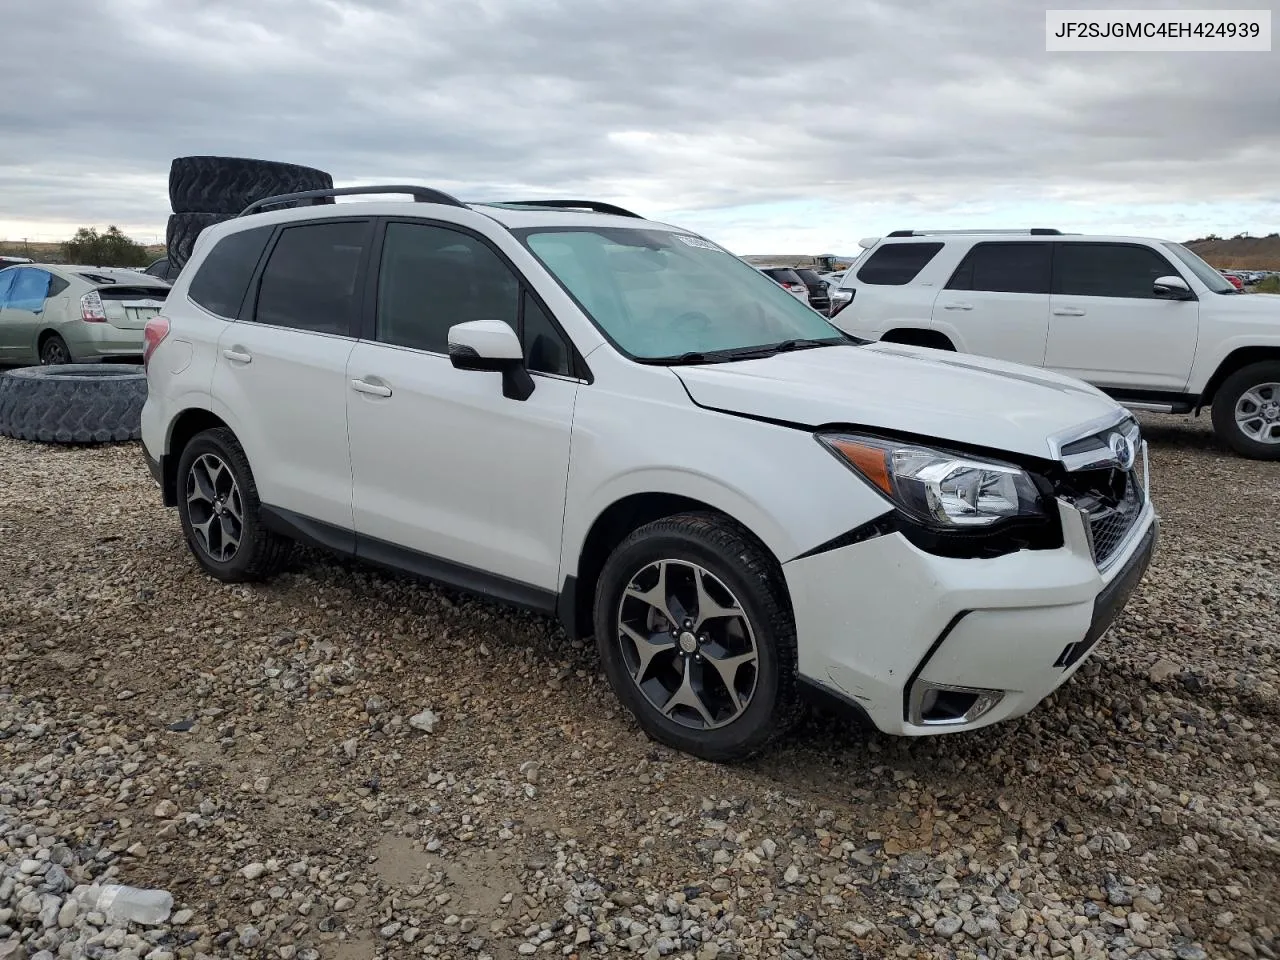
208 190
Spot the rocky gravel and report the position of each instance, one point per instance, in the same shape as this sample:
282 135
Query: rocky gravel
346 764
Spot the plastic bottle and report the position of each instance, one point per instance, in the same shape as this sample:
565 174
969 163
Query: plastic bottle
122 904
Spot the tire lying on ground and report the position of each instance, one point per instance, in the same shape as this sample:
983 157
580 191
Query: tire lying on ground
181 232
73 403
226 185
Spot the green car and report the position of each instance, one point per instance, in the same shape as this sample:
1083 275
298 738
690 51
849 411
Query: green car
62 314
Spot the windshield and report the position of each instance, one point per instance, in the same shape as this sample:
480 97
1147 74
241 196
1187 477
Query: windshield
662 296
1210 277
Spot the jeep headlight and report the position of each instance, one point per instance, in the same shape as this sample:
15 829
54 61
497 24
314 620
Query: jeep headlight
938 488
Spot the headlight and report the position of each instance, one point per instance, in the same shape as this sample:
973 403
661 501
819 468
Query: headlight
937 488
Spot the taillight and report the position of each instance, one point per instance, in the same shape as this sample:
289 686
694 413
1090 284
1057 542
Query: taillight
91 308
153 335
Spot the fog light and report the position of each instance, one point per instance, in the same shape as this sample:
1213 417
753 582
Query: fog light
944 705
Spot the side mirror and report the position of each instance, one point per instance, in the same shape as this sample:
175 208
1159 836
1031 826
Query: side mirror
491 345
1172 288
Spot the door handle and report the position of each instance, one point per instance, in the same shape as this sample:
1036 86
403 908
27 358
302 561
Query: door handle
957 306
238 356
1068 312
372 389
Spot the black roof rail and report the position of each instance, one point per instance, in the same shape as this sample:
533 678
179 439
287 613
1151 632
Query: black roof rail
595 206
419 194
1034 231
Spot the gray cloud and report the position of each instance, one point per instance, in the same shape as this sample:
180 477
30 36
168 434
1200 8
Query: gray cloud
674 105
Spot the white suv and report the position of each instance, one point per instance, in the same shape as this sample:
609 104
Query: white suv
1146 320
618 422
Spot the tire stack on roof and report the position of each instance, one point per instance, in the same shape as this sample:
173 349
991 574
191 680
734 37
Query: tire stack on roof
208 190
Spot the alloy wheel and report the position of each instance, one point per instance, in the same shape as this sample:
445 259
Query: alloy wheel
215 507
1258 413
688 644
53 353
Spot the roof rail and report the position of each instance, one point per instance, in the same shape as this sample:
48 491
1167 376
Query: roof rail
419 194
1033 231
595 206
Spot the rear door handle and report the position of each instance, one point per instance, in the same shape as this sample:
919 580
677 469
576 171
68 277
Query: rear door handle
1068 312
372 389
238 356
957 306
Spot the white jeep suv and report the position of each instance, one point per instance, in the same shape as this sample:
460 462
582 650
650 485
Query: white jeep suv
616 421
1147 321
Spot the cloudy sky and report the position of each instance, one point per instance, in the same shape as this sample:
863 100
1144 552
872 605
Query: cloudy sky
773 126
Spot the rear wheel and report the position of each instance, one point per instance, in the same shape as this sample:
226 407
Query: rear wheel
1246 411
695 631
54 351
219 509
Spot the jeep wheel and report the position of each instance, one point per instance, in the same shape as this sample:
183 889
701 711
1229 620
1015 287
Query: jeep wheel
695 631
218 506
1246 411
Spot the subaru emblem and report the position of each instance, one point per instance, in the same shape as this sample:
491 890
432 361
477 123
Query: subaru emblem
1122 450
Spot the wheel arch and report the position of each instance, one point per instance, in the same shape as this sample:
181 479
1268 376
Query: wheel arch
1235 360
185 426
613 525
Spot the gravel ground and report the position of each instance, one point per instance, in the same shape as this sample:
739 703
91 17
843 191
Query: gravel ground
267 756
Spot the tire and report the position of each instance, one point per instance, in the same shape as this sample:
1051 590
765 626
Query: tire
226 185
73 403
54 351
260 553
180 237
728 560
1263 379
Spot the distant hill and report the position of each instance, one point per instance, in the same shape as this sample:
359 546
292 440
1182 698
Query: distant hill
1240 253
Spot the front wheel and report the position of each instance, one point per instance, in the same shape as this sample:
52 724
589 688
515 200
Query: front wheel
1246 411
219 509
696 635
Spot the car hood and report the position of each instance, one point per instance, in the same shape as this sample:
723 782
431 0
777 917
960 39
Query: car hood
1256 306
953 397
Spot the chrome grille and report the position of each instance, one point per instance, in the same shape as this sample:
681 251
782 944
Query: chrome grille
1109 494
1109 526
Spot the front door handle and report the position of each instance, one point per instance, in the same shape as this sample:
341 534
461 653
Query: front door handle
957 306
1068 312
372 389
239 356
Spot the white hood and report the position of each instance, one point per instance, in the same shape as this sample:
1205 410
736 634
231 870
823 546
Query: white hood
896 388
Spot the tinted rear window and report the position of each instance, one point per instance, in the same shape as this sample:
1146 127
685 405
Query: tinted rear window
312 278
810 277
1004 268
783 274
896 264
134 293
220 284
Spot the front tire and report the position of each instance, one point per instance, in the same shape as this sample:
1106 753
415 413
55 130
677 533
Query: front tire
220 511
1246 411
695 631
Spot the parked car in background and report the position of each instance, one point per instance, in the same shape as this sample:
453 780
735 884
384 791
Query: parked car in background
8 261
756 503
161 269
819 296
67 314
1234 278
789 280
1145 320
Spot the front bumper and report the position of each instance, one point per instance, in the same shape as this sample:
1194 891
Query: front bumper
924 644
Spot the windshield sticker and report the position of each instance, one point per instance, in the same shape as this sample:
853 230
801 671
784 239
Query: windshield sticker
697 242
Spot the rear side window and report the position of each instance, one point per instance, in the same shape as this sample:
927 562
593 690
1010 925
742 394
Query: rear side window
220 284
29 289
1108 270
895 264
311 280
57 285
1004 268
